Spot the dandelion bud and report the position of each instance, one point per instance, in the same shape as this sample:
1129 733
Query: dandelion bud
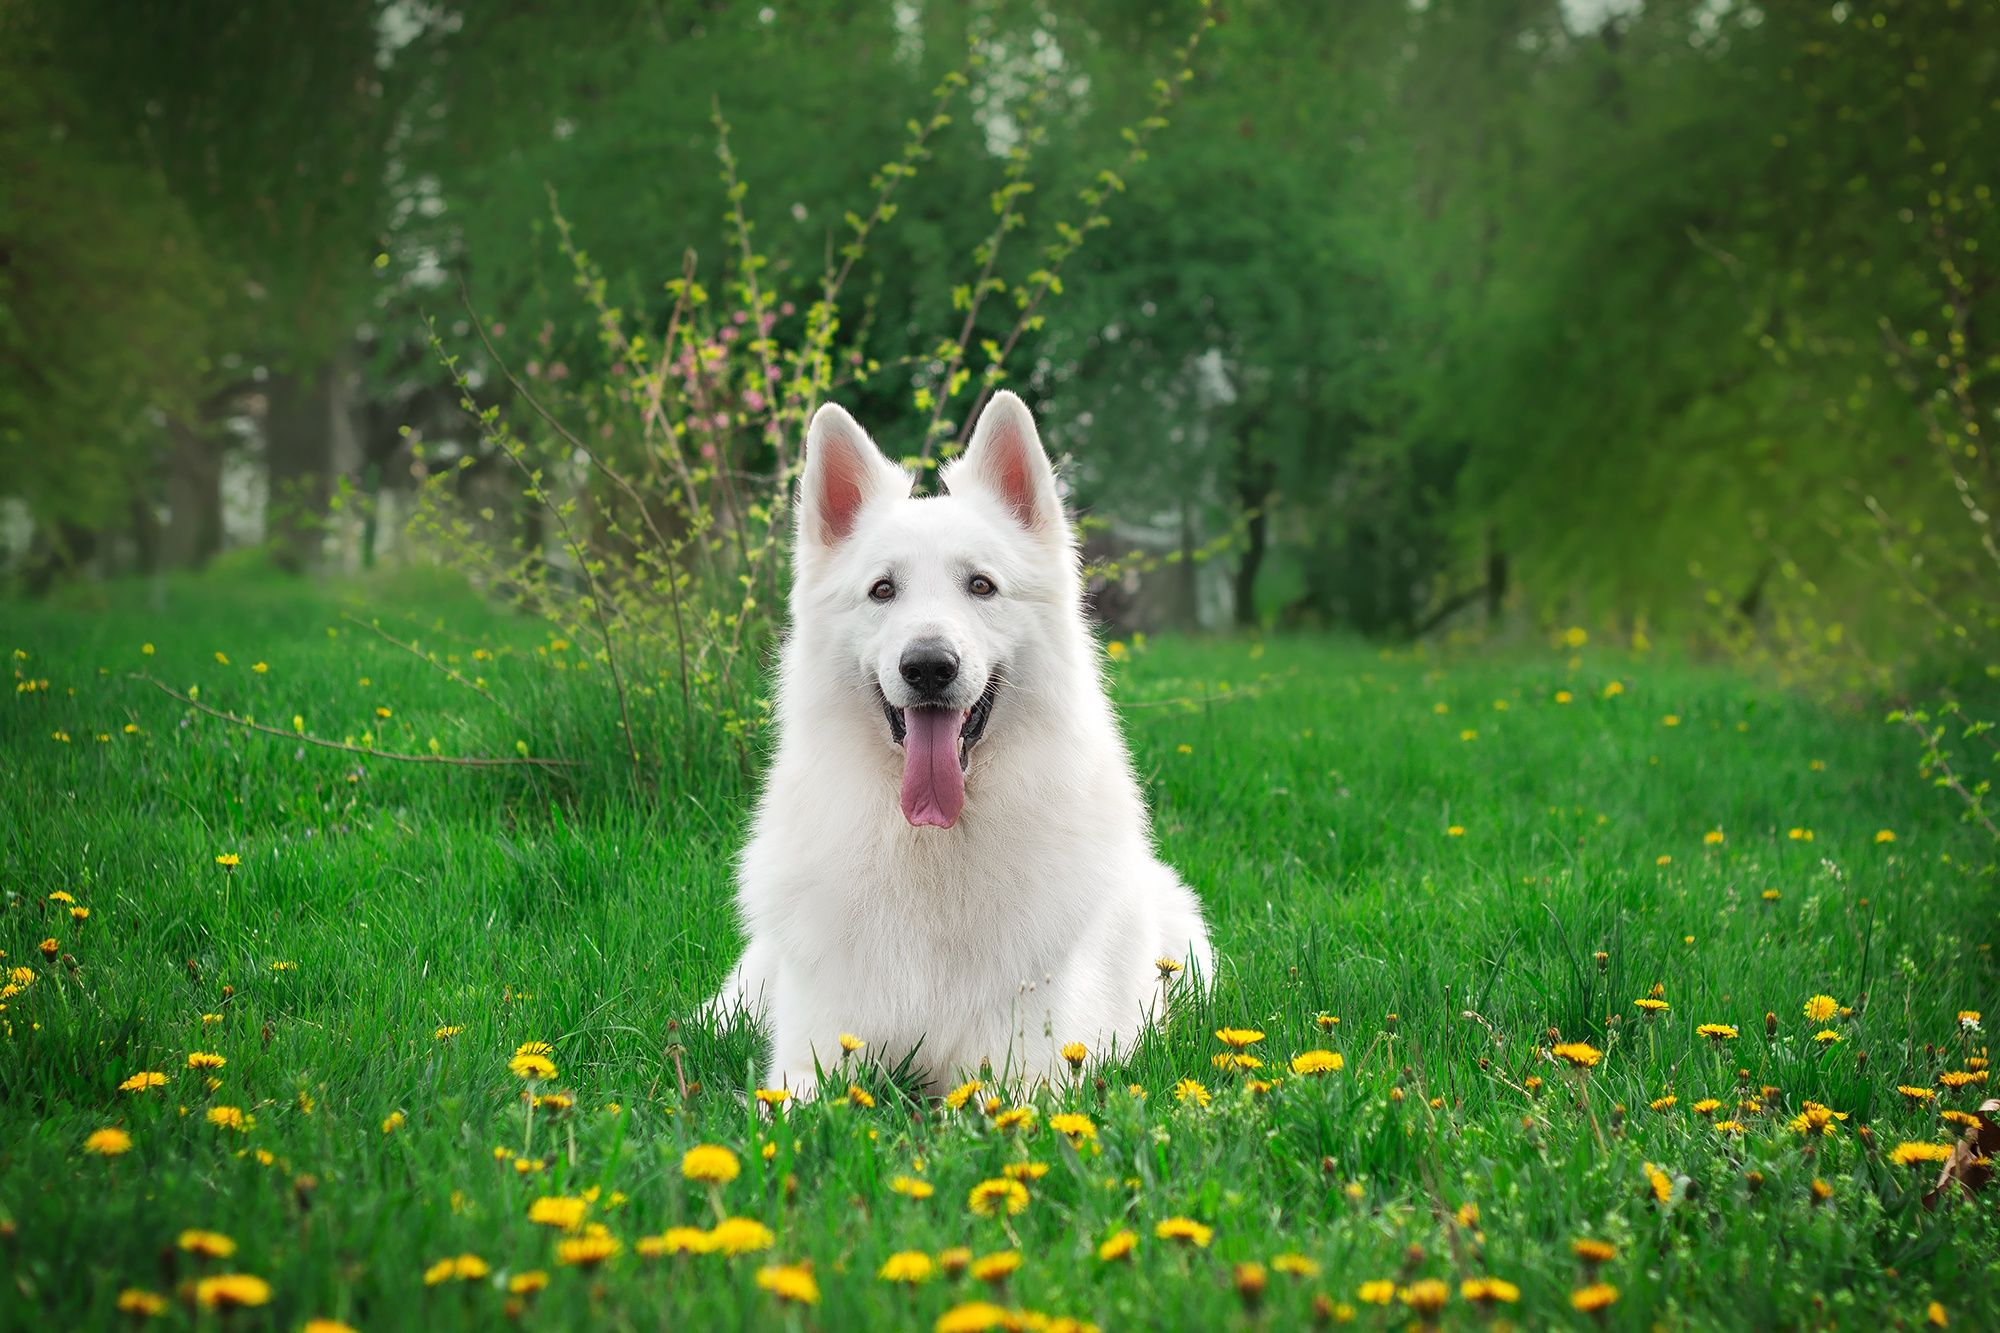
1861 1062
228 991
1326 1166
1250 1279
50 948
1743 1076
1770 1025
1324 1310
1603 961
1753 1181
1413 1258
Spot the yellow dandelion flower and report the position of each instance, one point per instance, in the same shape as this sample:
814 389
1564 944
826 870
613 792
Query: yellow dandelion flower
1295 1265
1650 1006
1918 1154
1489 1291
528 1283
1593 1251
1716 1032
532 1067
710 1163
207 1244
231 1117
1885 835
1378 1292
972 1317
911 1187
1820 1008
1118 1245
741 1235
907 1266
1310 1063
990 1198
1578 1054
143 1081
447 1033
963 1093
1455 831
1077 1127
996 1267
1185 1230
1595 1297
1826 1036
1813 1118
394 1121
138 1301
229 860
1191 1090
1075 1053
231 1290
792 1283
1019 1117
1238 1038
586 1251
562 1212
108 1142
1425 1296
774 1096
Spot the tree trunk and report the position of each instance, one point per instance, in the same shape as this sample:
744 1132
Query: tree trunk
193 534
1255 477
308 438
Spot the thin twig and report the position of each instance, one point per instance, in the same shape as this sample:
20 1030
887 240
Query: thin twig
421 655
474 761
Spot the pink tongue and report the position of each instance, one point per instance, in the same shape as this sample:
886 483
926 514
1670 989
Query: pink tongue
933 783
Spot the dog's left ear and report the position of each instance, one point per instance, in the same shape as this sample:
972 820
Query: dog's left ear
1006 460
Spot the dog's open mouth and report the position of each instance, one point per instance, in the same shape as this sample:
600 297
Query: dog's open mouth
937 747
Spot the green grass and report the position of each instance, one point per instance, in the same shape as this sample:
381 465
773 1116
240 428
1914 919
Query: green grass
1312 798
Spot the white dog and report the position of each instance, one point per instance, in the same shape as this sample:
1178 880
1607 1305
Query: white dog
950 856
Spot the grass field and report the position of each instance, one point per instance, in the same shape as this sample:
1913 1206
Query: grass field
1436 870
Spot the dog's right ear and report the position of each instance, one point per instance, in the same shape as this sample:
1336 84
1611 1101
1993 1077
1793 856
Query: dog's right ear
845 473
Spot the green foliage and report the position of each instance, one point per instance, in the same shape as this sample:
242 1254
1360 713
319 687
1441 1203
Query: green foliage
106 290
1308 787
645 508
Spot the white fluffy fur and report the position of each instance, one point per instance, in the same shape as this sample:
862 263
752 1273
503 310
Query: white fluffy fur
1036 919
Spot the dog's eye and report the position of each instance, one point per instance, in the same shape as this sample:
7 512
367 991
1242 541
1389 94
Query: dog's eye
884 590
981 586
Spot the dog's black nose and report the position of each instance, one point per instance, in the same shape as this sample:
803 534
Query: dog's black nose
930 667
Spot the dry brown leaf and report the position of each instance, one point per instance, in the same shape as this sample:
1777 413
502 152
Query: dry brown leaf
1971 1163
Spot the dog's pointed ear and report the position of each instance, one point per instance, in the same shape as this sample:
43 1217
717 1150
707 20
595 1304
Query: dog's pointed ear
1006 460
844 474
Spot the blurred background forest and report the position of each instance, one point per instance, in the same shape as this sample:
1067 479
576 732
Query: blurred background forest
1669 318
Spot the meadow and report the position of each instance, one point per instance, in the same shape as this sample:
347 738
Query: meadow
1567 987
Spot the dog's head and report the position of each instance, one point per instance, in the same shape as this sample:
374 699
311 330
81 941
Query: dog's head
927 608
